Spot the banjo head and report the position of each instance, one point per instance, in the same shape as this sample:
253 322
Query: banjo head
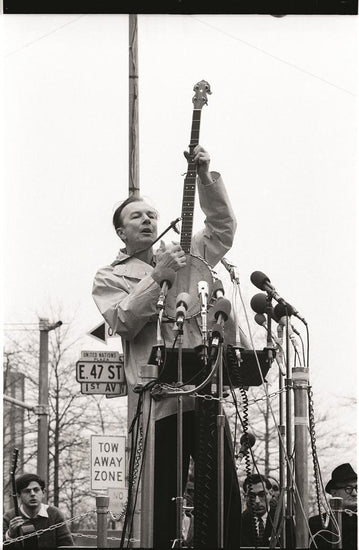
187 279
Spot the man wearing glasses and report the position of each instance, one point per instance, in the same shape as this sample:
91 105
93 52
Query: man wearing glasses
30 492
258 517
343 484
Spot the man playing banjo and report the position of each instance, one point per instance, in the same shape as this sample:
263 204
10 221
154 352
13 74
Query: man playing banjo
126 294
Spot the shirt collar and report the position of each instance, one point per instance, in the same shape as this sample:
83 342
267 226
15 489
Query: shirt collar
42 512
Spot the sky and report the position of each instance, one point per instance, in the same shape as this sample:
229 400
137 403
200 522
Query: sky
280 126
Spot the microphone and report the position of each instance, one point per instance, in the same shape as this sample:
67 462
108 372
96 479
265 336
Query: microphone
166 283
174 225
280 316
260 320
221 311
261 281
247 440
218 290
259 303
232 270
182 302
202 287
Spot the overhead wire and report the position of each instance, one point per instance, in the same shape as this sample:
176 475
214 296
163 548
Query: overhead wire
276 57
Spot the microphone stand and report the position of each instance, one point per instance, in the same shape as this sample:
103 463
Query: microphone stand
150 373
218 336
281 431
289 529
220 446
179 497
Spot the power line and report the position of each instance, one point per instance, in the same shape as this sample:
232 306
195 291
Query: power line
281 60
28 44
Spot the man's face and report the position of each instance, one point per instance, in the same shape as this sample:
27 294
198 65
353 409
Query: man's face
349 500
274 491
258 499
138 226
31 497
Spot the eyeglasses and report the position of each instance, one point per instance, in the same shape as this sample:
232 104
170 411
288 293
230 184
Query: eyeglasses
350 488
34 489
261 494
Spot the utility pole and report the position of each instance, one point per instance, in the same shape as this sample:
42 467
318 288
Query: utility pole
133 189
43 407
133 167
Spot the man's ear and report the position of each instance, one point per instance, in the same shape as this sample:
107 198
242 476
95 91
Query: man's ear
120 232
333 492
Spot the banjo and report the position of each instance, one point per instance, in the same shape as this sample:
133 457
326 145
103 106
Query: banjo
196 268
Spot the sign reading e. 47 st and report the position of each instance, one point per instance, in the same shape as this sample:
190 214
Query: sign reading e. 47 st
99 371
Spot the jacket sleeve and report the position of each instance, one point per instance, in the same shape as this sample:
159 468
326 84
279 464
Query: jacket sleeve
216 238
126 303
5 527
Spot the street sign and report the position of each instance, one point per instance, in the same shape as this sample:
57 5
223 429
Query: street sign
92 355
115 389
108 461
117 501
102 332
96 371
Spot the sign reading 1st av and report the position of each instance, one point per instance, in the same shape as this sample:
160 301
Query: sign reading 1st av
101 372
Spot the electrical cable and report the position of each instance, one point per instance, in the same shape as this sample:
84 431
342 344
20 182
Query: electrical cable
280 439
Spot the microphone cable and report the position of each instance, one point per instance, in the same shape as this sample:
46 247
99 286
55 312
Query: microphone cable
281 442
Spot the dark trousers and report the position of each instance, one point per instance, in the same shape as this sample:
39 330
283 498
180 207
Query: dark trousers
166 484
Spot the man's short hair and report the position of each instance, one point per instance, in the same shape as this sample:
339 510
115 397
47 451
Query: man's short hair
23 481
253 479
116 220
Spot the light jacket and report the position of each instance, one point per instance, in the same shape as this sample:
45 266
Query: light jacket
126 294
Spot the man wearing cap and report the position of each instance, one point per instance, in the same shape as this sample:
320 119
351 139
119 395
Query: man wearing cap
343 484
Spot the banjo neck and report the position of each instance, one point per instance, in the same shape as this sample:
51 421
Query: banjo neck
201 90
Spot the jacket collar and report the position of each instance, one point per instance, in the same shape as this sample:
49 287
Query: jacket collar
122 256
42 512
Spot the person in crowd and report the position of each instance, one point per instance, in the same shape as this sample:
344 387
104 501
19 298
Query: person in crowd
30 489
275 492
126 293
343 484
258 518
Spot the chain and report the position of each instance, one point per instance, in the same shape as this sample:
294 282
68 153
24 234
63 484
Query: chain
51 528
81 535
134 477
269 396
314 450
250 402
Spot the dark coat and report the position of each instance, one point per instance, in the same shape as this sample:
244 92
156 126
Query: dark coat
50 539
248 531
349 529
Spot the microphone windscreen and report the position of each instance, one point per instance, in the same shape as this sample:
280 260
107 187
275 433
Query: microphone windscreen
222 306
168 277
260 319
217 285
281 310
183 299
259 302
248 439
259 279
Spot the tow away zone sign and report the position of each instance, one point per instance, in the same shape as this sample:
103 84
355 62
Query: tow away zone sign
108 462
